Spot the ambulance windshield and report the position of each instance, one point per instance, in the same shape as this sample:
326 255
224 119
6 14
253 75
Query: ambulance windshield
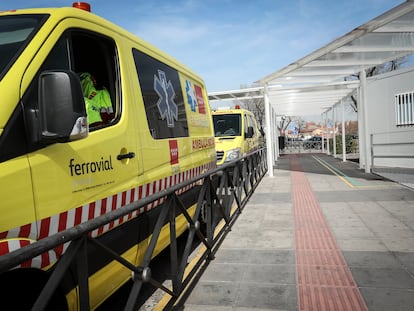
15 33
227 125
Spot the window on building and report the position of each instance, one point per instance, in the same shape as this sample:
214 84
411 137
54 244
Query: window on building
404 109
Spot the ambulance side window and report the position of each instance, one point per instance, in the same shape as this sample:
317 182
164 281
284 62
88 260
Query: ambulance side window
252 124
80 51
76 50
95 56
58 59
163 97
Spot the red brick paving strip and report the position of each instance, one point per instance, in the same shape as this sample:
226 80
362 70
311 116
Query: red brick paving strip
324 281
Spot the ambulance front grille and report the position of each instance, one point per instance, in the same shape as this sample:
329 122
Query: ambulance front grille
219 155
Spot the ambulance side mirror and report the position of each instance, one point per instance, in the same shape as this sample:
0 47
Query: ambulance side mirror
249 133
62 111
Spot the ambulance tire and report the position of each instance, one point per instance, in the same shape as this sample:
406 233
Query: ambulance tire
21 287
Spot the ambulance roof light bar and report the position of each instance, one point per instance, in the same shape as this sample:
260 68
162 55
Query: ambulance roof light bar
82 5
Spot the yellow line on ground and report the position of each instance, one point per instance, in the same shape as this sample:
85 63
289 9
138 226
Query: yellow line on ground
351 185
341 177
166 298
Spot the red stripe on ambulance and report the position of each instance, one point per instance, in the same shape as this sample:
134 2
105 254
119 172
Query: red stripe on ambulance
57 223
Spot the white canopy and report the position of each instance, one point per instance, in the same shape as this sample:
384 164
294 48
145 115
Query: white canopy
330 74
319 81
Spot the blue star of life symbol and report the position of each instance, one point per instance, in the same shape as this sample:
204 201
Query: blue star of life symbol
166 105
191 96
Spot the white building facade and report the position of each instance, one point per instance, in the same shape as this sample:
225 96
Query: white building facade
389 105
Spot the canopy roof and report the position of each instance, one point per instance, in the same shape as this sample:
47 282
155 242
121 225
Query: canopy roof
323 78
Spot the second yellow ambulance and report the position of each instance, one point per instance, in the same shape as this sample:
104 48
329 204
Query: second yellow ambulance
236 133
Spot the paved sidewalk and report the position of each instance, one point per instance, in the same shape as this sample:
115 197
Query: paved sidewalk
363 241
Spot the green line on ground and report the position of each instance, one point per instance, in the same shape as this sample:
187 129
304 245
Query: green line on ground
349 179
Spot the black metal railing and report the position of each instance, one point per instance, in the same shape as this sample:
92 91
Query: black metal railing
223 194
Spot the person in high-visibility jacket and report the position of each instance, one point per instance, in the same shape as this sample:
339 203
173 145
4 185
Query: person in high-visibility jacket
98 101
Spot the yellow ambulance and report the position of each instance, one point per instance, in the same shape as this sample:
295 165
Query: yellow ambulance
59 169
236 133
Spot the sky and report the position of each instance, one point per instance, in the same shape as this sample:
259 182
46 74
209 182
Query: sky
232 43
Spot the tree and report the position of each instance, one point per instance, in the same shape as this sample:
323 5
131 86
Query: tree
283 124
386 67
256 105
300 123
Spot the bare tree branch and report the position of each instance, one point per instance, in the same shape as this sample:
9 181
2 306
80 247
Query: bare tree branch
386 67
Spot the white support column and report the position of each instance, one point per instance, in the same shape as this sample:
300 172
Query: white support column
343 132
275 134
268 137
366 146
361 135
328 152
334 131
323 134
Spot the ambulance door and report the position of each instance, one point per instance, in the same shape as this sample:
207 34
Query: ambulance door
247 139
256 133
93 173
247 136
254 140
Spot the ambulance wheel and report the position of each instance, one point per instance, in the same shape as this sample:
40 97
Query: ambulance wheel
21 288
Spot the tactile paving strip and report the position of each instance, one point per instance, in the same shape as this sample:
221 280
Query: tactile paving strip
324 281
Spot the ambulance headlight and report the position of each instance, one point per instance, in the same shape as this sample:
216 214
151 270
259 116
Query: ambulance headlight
233 154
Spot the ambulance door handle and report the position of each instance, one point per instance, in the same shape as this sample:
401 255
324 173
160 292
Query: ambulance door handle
128 155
